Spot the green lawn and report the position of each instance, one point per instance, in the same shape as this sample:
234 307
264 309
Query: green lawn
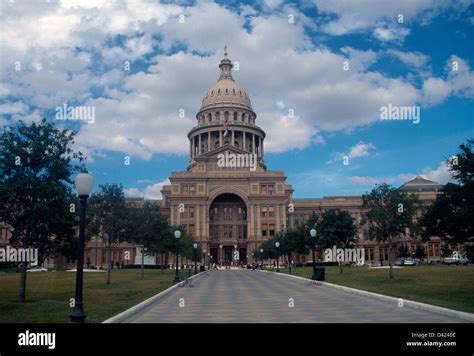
48 294
450 287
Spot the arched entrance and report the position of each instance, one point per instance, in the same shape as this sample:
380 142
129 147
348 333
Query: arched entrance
228 230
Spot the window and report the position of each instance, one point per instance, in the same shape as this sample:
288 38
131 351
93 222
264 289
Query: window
271 212
264 229
267 189
271 229
230 231
235 114
192 229
191 211
264 212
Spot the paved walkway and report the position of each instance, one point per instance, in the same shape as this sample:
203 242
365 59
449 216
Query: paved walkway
245 296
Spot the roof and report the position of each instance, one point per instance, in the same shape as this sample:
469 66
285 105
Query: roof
420 184
226 92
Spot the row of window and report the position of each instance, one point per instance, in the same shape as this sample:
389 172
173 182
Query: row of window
243 118
227 231
227 213
268 230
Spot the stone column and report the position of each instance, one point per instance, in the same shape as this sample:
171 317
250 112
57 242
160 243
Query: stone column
277 217
253 143
209 140
220 138
259 227
259 146
190 148
244 134
233 139
197 218
199 148
284 215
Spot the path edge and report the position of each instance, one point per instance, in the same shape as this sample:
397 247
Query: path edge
406 302
147 302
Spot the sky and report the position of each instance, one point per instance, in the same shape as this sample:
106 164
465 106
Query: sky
319 74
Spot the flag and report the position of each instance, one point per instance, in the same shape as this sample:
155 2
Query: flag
226 130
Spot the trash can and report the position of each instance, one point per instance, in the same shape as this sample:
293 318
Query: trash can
319 273
202 268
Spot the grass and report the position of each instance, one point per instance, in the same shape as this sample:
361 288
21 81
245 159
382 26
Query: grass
48 294
450 287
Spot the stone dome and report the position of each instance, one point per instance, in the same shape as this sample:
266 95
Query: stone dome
226 92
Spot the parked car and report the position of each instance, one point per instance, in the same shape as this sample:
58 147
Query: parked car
406 262
455 259
410 262
37 269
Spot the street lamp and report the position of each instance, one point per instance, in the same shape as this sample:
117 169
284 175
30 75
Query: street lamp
234 261
195 259
83 183
277 244
204 258
261 255
209 258
313 233
177 236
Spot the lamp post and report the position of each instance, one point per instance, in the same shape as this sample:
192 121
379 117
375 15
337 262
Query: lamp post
177 236
209 259
220 257
204 258
235 255
195 259
313 233
277 244
83 183
261 255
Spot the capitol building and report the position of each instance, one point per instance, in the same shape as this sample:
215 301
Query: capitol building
230 201
230 207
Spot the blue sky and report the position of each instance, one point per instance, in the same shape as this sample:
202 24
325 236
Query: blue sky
75 53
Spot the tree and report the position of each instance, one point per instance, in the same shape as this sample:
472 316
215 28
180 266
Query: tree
451 216
336 228
420 252
36 164
389 212
108 216
403 251
149 229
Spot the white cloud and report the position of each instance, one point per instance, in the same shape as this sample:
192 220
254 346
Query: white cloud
412 59
361 149
152 191
441 175
435 90
17 107
391 33
382 18
459 82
